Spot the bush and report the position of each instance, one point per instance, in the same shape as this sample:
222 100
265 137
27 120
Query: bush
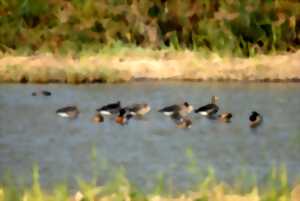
243 28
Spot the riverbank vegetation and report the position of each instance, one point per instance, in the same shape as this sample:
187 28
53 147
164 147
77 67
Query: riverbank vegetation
136 64
276 187
241 28
120 40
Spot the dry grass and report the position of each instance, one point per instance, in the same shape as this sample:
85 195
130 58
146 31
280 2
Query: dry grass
148 64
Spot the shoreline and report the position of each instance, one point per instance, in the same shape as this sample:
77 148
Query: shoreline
133 65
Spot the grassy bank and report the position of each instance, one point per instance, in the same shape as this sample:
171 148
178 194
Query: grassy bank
126 64
276 188
241 28
119 40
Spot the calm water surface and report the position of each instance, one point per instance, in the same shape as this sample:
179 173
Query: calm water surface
31 133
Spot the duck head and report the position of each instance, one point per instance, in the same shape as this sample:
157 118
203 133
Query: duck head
123 117
189 107
229 116
122 112
214 99
225 117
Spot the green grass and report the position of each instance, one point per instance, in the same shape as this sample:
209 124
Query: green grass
241 28
275 188
206 186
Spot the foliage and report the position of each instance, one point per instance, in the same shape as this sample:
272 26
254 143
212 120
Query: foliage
241 28
120 188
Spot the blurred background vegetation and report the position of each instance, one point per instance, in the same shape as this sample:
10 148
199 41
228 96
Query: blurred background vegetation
241 28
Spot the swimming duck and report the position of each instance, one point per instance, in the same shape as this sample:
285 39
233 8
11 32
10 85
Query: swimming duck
225 117
123 117
138 109
182 109
181 121
98 118
185 123
255 119
109 109
41 93
69 112
209 109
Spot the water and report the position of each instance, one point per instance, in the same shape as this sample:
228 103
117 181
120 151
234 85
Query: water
31 133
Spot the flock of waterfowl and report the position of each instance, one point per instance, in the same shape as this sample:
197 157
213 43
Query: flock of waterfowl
178 113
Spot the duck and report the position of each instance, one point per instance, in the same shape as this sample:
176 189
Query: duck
225 117
182 109
185 123
41 93
97 118
68 112
255 119
138 109
123 117
209 109
110 109
181 121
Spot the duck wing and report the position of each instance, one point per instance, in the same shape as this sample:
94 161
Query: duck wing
171 108
209 109
134 108
67 109
111 106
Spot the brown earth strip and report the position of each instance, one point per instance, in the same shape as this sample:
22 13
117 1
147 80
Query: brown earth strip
158 65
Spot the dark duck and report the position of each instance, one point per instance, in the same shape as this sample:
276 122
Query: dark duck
110 109
255 119
68 112
41 93
210 109
123 117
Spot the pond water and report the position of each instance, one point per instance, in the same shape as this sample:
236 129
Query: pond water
31 133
